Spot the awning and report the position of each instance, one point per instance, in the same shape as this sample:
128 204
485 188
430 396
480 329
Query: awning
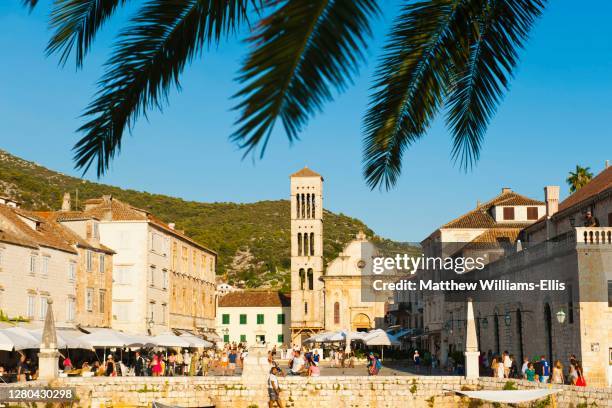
380 337
510 396
109 338
66 338
17 338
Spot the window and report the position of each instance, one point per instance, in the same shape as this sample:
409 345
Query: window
43 307
310 274
280 338
164 279
70 309
174 256
89 261
151 311
72 270
184 259
101 263
156 243
260 319
89 294
243 319
33 264
122 310
532 213
44 268
243 338
305 308
302 278
102 304
312 251
152 276
610 293
508 213
280 318
122 275
337 313
225 318
96 230
226 338
31 306
164 312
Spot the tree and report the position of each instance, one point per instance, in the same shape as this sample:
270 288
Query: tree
579 178
456 54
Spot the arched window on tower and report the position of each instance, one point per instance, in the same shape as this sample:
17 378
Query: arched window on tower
312 245
337 313
305 308
297 206
303 206
299 243
302 278
312 206
306 241
307 205
310 275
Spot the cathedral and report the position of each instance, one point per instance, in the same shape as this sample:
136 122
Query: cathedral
325 297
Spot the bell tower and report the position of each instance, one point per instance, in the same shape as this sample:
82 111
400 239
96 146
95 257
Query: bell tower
307 303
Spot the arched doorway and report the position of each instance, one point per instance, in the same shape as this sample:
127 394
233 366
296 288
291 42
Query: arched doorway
548 324
519 334
361 322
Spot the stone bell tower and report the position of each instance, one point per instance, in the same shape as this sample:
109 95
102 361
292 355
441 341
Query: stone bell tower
307 302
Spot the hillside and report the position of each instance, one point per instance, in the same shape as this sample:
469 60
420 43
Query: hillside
252 239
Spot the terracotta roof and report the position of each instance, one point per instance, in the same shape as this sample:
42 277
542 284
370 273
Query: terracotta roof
17 231
71 236
111 209
598 184
255 298
306 172
481 216
496 235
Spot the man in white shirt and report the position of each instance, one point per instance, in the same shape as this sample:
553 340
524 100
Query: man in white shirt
274 389
507 364
297 364
186 362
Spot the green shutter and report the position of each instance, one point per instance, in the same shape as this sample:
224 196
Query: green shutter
226 318
260 319
243 319
226 338
281 338
243 338
280 318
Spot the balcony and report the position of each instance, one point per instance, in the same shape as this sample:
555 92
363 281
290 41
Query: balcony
594 235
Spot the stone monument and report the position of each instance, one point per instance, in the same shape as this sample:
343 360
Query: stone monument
48 357
255 367
472 367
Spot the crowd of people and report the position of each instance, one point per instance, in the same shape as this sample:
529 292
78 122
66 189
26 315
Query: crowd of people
536 369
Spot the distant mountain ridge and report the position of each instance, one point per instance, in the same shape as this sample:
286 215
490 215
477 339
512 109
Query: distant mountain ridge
252 239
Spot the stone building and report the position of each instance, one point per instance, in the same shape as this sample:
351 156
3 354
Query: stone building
325 298
557 321
254 316
162 278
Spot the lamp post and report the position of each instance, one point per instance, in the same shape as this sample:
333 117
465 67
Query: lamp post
561 316
485 323
507 319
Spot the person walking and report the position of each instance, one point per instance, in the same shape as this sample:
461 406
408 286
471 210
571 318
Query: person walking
111 367
580 380
530 373
507 363
416 358
22 368
557 373
156 367
274 389
139 365
524 367
544 371
374 364
186 362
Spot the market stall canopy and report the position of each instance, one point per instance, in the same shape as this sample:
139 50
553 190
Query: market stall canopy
13 338
168 339
195 341
335 336
108 338
380 337
68 338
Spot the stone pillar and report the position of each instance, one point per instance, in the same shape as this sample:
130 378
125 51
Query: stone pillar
255 366
472 368
48 358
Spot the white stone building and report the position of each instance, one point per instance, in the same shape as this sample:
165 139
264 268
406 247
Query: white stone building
255 316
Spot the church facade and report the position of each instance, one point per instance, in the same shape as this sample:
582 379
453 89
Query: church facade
325 298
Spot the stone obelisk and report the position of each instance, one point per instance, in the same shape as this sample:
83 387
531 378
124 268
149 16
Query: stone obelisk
48 357
472 368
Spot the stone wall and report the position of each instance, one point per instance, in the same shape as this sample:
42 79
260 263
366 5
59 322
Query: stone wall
321 392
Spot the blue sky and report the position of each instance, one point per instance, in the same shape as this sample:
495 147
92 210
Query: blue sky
555 116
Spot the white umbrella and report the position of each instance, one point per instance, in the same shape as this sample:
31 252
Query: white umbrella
66 339
18 339
6 343
195 341
168 339
380 338
107 338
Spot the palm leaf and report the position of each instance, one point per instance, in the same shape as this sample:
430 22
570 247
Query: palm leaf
501 30
410 83
301 52
30 3
147 62
75 24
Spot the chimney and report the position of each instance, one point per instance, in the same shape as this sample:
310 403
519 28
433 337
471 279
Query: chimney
107 198
171 225
478 203
607 163
506 190
551 196
66 205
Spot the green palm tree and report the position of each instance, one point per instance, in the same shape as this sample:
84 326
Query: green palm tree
579 178
454 56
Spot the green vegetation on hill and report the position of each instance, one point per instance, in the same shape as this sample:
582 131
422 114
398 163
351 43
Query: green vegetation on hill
252 239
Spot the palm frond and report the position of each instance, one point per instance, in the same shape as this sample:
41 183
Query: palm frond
75 24
301 52
146 64
500 30
410 83
30 3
